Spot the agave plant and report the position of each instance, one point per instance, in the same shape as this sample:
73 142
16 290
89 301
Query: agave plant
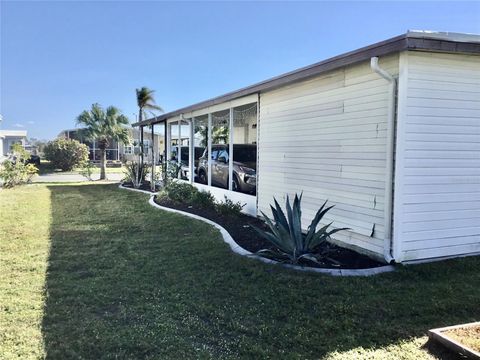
290 242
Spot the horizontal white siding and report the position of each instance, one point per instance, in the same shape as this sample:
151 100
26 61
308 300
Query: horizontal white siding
437 185
326 137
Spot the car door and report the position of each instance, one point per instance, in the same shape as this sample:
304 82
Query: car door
220 169
213 158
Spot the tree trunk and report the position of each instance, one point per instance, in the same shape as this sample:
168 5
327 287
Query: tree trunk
103 162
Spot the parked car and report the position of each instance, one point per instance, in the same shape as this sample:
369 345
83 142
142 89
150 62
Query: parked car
244 167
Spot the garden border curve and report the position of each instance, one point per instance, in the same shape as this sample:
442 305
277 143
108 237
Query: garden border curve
241 251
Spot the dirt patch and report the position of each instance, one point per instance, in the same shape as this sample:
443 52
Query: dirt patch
145 186
468 336
240 228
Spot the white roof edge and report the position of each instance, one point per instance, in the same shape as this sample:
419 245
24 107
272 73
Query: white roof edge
5 132
447 36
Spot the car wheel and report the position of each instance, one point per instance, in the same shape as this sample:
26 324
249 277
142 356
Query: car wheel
235 184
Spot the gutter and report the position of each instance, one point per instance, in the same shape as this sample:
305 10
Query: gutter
392 92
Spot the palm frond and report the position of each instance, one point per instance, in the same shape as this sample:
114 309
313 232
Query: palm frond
146 101
102 125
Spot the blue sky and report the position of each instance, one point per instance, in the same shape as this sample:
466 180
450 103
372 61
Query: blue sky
57 58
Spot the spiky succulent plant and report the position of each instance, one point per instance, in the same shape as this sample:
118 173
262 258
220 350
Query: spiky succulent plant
290 243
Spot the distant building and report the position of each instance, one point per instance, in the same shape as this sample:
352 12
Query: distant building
8 138
117 151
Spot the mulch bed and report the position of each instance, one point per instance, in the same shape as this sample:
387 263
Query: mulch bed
240 228
145 186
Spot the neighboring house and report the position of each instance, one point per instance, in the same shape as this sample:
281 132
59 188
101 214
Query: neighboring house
389 134
119 151
10 137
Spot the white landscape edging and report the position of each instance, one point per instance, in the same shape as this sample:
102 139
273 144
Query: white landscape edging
241 251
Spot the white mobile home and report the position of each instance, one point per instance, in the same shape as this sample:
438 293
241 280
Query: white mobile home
8 138
389 133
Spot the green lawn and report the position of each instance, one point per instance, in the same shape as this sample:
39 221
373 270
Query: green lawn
90 271
46 168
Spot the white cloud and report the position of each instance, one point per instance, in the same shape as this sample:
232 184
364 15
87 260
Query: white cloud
18 125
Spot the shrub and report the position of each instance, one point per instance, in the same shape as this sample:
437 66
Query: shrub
203 199
228 207
170 171
65 154
180 191
291 244
135 173
86 170
17 171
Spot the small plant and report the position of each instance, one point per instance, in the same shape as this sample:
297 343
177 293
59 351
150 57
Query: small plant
66 154
291 244
135 172
86 170
228 207
180 192
173 169
156 177
16 171
203 199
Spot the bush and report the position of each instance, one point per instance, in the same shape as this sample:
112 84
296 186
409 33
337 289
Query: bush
286 233
203 199
66 154
180 192
228 207
135 173
17 171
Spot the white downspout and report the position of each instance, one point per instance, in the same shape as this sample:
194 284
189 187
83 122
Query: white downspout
388 241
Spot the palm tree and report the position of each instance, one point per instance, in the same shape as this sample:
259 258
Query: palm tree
145 102
104 126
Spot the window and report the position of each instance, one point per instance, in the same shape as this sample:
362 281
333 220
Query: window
233 155
200 143
128 150
220 176
245 149
111 154
184 141
223 154
214 154
172 129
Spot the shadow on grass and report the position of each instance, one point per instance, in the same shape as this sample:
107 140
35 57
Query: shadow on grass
128 281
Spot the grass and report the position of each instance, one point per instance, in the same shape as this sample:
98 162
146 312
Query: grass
91 271
47 168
